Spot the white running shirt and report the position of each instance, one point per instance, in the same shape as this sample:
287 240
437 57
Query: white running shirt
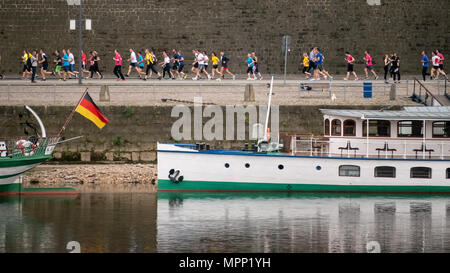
133 57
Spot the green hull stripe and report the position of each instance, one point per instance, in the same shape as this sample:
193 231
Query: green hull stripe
16 187
167 185
22 161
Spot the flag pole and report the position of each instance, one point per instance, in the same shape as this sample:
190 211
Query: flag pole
69 118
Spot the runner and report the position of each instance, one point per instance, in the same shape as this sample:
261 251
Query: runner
150 58
205 65
224 60
396 67
350 62
96 68
250 64
183 76
133 62
44 63
312 64
66 64
194 68
84 65
59 63
34 64
200 62
118 66
318 60
435 62
72 71
175 62
26 64
387 61
441 64
369 65
424 62
166 65
140 64
215 64
256 66
305 63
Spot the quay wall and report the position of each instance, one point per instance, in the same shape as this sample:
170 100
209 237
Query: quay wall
133 131
234 26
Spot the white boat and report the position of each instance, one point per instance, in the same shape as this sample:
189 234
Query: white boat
405 150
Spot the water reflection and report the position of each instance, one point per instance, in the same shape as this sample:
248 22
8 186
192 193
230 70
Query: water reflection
225 222
289 222
99 222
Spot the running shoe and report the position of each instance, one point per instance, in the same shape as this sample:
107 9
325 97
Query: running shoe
234 77
376 77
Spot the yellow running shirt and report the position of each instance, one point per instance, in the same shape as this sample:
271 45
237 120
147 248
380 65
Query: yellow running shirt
148 57
25 58
215 60
306 61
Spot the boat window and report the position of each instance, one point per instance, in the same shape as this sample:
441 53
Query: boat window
441 129
420 172
448 173
247 165
336 127
410 128
349 170
349 127
327 127
377 128
385 171
227 165
280 167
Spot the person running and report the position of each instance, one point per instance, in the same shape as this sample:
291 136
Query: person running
312 64
250 64
26 64
387 61
435 63
424 62
224 61
133 63
175 63
200 65
205 65
215 65
151 60
305 64
34 64
369 65
350 63
396 67
66 64
140 64
318 59
195 63
441 64
181 66
59 63
256 66
72 71
118 66
165 64
96 69
44 64
84 64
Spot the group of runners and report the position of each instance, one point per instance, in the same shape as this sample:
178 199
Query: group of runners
146 64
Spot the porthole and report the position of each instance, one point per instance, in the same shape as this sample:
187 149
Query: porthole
280 167
319 168
247 165
227 165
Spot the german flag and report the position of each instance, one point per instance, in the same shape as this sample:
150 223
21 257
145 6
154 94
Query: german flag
89 110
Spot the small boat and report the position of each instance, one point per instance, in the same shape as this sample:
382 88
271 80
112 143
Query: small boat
401 151
20 155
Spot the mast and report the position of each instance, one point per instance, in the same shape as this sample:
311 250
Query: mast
69 118
268 111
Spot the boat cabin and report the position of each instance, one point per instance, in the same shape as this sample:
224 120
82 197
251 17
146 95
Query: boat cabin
413 132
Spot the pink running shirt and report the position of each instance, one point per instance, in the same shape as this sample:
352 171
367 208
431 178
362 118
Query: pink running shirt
117 57
368 60
441 57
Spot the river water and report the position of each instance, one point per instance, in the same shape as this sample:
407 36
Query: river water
226 222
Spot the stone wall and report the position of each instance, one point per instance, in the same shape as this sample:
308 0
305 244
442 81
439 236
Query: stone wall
133 131
235 26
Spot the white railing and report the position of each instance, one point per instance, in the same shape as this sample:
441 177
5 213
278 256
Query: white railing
373 148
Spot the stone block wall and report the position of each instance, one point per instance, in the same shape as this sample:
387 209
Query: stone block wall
235 26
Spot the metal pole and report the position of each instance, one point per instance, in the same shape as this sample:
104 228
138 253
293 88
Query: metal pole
80 43
285 60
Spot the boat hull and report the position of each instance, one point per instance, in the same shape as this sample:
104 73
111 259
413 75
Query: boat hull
208 171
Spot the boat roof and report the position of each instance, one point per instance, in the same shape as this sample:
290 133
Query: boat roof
407 113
